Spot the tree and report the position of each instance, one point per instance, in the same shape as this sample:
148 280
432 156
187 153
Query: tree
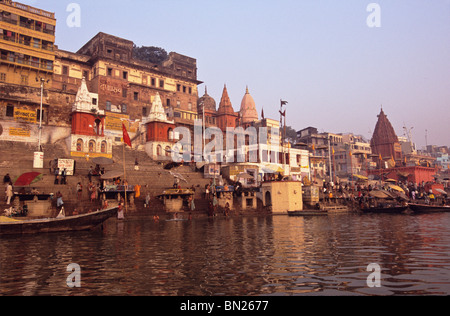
152 54
291 135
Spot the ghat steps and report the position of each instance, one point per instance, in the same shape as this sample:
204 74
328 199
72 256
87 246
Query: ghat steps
17 158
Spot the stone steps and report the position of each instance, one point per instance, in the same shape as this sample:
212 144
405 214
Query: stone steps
17 158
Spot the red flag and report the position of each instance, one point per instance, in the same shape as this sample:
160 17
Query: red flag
126 137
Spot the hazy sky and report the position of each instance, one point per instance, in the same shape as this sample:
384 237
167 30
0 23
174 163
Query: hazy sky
319 55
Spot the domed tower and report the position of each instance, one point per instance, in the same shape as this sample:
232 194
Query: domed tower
248 111
209 104
207 101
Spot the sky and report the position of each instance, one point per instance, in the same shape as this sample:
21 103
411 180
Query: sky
336 63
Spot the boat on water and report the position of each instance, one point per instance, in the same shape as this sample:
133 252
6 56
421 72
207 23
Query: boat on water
428 208
392 209
82 222
308 213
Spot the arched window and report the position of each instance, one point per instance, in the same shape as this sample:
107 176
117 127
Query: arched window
104 147
159 150
92 146
80 145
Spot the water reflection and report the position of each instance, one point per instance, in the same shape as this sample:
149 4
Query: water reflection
277 255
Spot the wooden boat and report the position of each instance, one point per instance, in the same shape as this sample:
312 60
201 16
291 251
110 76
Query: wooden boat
386 209
307 213
63 224
426 208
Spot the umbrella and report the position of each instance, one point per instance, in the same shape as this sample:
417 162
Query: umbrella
245 176
102 161
28 178
396 188
112 174
381 194
178 175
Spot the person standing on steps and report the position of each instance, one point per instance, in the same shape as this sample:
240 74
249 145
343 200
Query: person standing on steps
79 190
9 193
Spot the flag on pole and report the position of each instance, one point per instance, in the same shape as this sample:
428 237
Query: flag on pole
126 137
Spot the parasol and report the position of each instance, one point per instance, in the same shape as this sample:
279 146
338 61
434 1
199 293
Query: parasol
28 178
112 174
102 161
381 194
245 175
178 175
396 188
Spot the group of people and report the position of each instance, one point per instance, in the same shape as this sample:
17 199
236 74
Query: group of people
358 191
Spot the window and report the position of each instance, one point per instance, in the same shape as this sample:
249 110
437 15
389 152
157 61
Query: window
86 74
94 101
108 105
104 147
153 82
92 146
125 75
65 70
2 76
124 93
79 144
190 90
178 87
144 111
168 102
161 83
110 72
10 110
136 96
24 80
124 108
38 115
184 89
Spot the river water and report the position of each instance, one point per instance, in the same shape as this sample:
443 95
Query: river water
248 256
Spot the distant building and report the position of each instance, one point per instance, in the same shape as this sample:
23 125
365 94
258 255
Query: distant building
390 163
384 141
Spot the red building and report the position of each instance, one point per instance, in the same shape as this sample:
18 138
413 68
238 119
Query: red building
384 141
88 126
388 155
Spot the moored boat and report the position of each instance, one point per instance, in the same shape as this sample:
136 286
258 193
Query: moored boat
386 209
60 224
427 208
307 213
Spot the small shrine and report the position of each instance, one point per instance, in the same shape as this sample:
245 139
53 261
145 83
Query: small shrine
88 126
160 132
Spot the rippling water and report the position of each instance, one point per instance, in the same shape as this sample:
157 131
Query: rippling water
280 255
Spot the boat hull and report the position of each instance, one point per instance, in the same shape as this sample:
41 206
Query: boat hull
422 208
72 223
307 213
389 210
